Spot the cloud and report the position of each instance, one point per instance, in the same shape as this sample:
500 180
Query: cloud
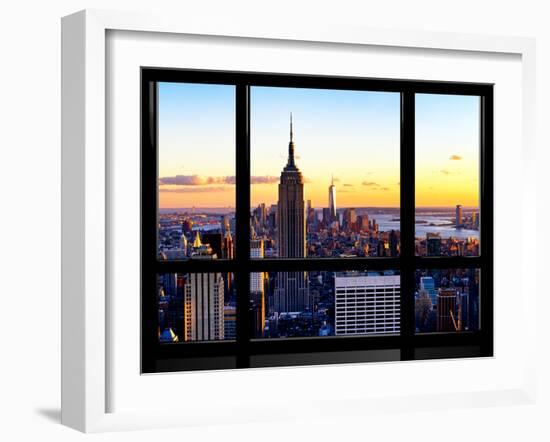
197 180
267 179
336 180
445 172
455 157
347 185
383 189
192 189
370 184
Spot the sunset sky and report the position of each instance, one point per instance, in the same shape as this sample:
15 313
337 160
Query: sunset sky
353 135
447 150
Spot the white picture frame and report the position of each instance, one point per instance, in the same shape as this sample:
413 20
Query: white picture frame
85 307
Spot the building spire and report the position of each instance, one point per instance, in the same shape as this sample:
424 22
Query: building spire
197 243
291 146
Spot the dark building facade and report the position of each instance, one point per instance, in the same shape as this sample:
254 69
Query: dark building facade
447 315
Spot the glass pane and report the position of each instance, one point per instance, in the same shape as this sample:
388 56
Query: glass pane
307 304
196 170
447 175
196 307
325 172
447 300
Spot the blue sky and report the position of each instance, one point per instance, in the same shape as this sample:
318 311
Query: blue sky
351 134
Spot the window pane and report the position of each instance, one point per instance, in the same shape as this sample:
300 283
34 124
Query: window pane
307 304
447 300
325 172
196 170
447 175
196 307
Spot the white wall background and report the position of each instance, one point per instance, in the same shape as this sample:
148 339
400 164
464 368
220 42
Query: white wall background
30 217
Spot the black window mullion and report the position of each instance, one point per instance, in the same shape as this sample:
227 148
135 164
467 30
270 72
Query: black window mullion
447 262
242 252
486 221
323 264
195 266
407 252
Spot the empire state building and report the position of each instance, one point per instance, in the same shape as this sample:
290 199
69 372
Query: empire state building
291 294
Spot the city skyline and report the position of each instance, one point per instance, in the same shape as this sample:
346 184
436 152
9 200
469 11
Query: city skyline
202 307
197 151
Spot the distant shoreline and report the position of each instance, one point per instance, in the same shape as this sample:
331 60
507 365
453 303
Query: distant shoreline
232 209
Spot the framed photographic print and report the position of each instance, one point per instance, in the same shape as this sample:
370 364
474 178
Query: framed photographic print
364 242
237 202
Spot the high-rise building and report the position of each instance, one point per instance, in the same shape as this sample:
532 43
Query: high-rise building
382 248
263 214
394 243
215 241
257 278
367 303
204 307
227 246
257 291
459 216
224 224
363 223
291 293
183 241
272 216
427 286
473 299
229 322
350 218
447 315
187 226
171 302
433 244
310 213
463 309
332 199
327 217
475 220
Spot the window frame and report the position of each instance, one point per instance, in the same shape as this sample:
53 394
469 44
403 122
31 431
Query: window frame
245 352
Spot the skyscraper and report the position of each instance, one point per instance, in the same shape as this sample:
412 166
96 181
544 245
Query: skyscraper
458 216
475 220
215 241
230 322
257 292
204 308
350 218
332 199
310 213
394 243
447 315
291 292
367 303
427 286
433 244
